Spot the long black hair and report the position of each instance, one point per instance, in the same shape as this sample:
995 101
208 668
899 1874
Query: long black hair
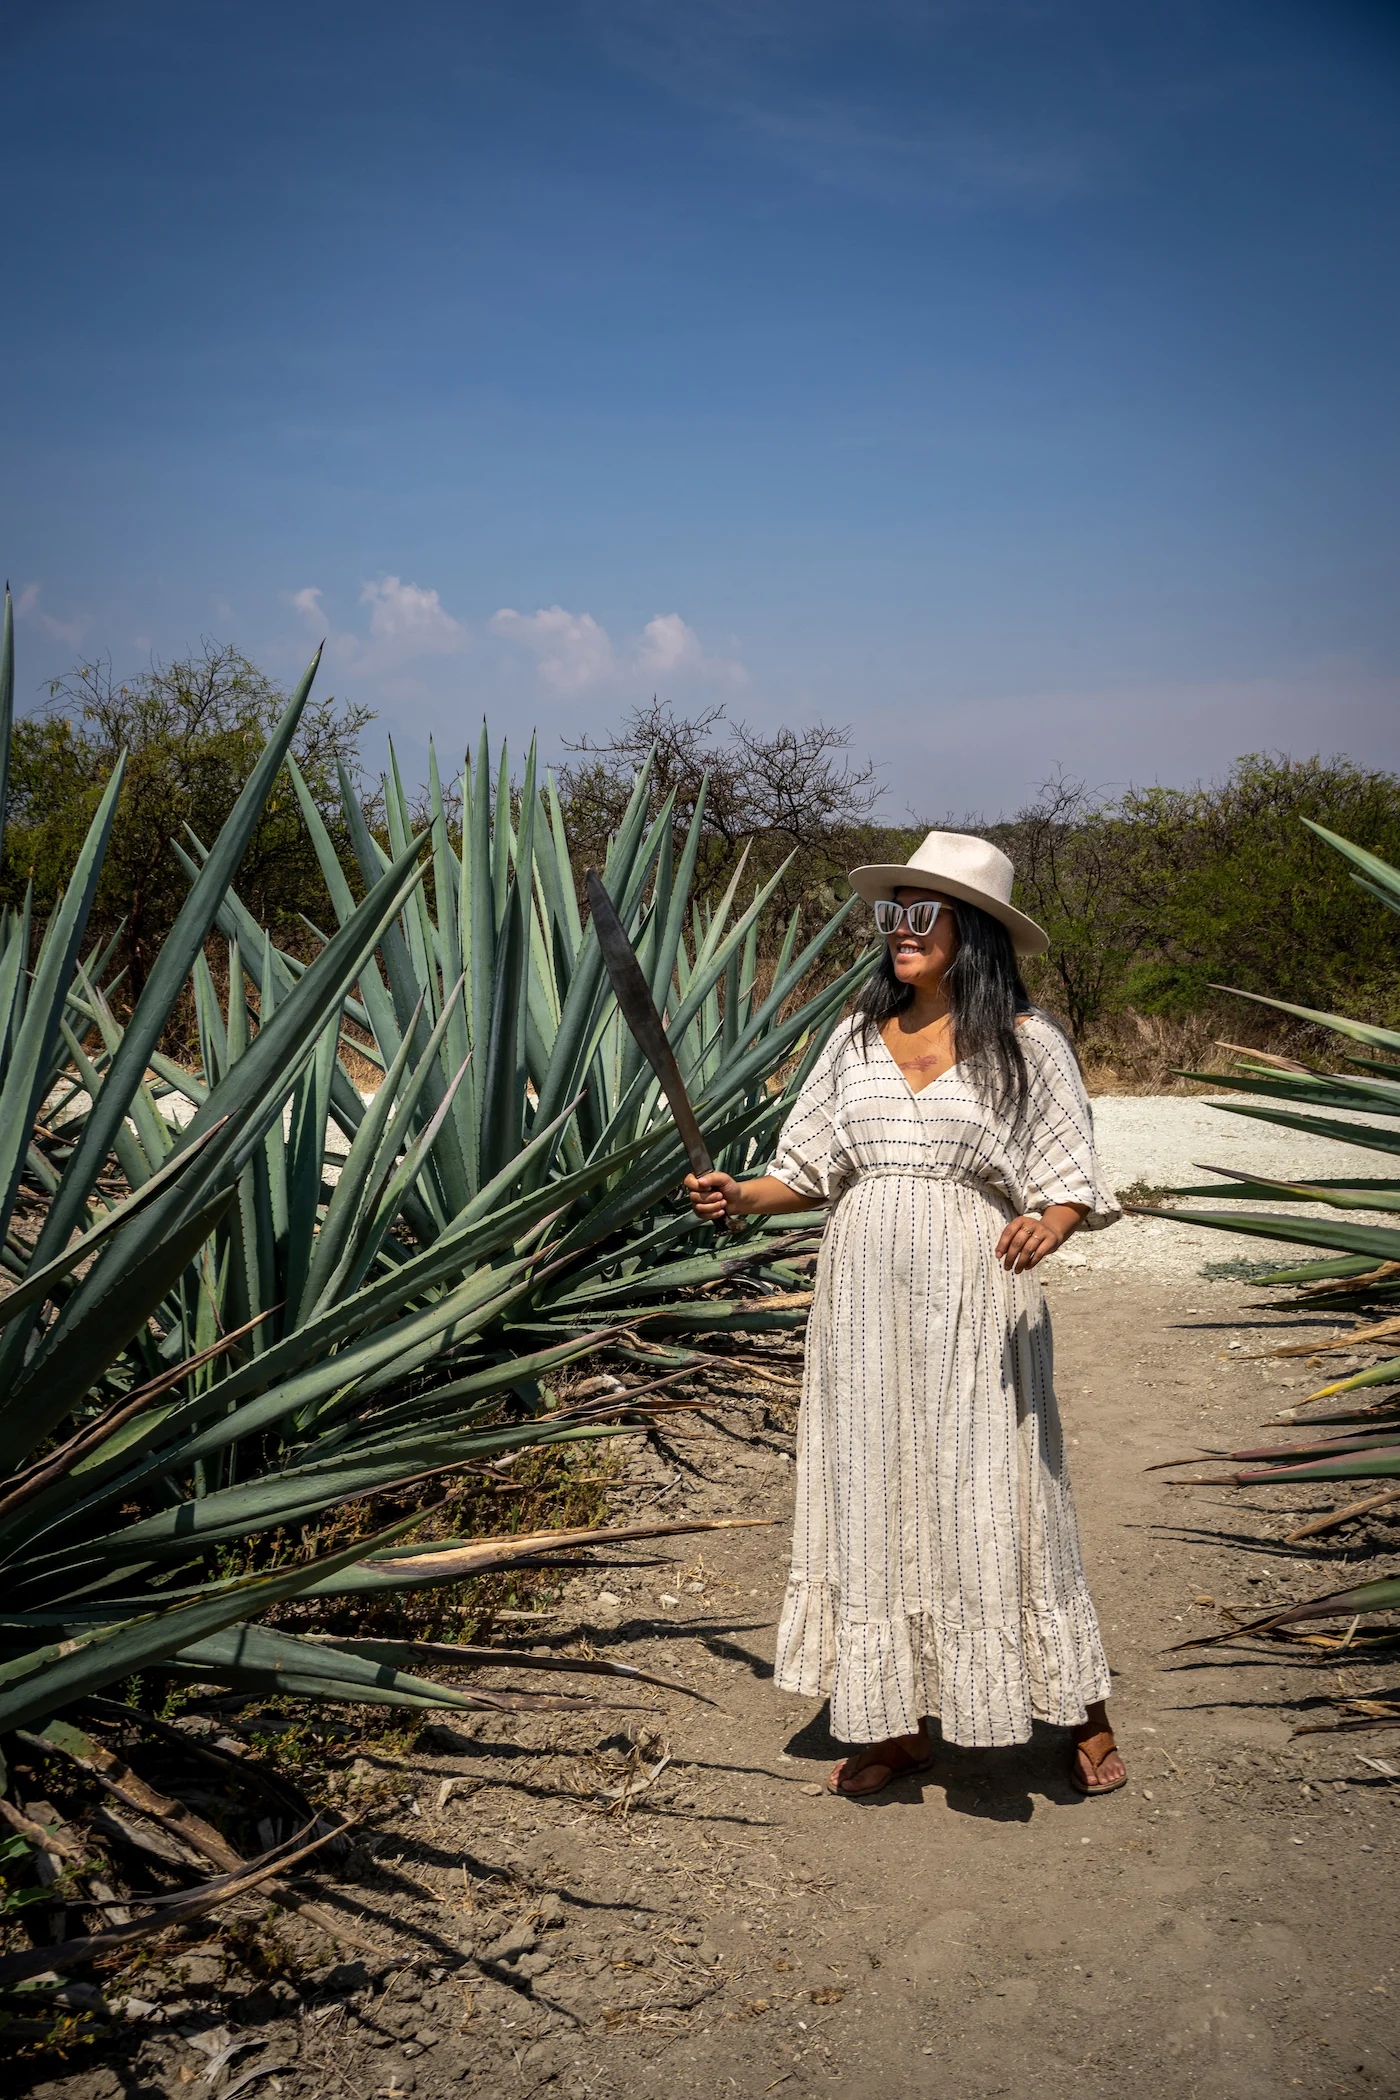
986 994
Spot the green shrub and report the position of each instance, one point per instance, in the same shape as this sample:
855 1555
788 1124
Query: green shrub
1174 989
191 732
1154 898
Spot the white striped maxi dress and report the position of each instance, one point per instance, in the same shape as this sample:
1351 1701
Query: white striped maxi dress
936 1567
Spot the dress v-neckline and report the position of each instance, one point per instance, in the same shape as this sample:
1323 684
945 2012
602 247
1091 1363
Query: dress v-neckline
915 1093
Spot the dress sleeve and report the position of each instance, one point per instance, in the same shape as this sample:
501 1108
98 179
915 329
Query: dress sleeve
804 1158
1062 1165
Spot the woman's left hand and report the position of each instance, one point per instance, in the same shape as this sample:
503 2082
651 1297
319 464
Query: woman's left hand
1026 1242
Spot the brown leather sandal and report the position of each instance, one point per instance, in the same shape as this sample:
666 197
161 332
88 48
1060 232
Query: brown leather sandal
1103 1739
899 1764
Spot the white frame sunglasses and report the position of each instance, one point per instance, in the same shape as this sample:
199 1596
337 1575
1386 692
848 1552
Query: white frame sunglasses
920 918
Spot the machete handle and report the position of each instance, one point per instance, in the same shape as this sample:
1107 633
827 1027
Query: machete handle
726 1223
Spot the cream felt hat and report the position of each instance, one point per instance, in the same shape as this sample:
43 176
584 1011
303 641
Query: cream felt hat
962 867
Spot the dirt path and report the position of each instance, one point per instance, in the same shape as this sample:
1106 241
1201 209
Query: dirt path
1223 1927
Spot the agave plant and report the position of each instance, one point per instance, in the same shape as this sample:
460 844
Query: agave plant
1360 1270
494 1001
304 1298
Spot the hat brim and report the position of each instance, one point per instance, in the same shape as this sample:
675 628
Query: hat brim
873 883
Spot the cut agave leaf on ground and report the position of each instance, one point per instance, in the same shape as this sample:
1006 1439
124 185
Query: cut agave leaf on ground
1353 1338
462 1657
176 1910
264 1659
1387 1373
1328 1447
1378 1464
418 1566
1366 1597
1352 1268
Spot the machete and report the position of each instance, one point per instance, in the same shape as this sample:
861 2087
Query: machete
648 1031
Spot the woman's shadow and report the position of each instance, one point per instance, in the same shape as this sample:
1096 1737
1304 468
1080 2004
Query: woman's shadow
997 1786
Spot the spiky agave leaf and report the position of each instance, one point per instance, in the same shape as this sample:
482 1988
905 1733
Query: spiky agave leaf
1362 1259
158 999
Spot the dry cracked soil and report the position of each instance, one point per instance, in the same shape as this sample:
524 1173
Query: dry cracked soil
661 1898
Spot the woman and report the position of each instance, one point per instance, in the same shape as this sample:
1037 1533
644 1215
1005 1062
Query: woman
936 1567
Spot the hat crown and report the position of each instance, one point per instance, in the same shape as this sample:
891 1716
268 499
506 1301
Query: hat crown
970 862
967 869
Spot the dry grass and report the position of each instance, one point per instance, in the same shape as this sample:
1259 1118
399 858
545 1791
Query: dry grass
365 1075
1132 1053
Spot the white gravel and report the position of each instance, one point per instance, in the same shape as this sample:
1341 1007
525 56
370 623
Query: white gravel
1164 1141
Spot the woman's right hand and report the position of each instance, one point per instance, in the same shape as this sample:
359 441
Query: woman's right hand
713 1196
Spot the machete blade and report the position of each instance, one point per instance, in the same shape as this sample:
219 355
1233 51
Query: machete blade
639 1012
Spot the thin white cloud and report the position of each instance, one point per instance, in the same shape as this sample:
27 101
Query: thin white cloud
574 654
668 645
70 631
671 649
572 651
406 620
406 623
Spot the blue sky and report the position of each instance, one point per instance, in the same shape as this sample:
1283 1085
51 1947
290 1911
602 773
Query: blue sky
1012 380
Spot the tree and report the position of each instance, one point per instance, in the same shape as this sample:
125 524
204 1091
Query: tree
795 792
1069 852
1235 888
1152 900
193 730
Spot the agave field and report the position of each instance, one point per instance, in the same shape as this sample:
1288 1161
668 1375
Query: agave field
243 1299
1358 1275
